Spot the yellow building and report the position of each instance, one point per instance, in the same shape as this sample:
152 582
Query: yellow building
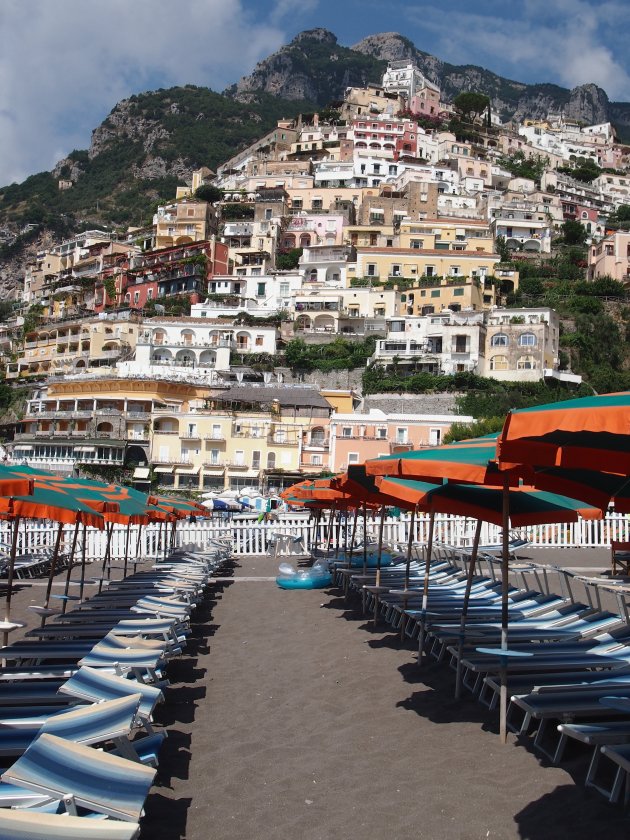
73 345
184 221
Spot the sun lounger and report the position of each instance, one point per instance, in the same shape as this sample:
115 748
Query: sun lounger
30 825
95 685
96 723
80 776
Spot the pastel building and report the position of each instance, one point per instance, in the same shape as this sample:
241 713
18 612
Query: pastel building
197 346
611 257
87 344
354 438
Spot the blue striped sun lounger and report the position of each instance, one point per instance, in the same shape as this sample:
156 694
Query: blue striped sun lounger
95 685
80 776
96 723
30 825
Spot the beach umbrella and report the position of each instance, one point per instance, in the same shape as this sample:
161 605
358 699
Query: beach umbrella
364 488
591 433
473 460
47 504
509 507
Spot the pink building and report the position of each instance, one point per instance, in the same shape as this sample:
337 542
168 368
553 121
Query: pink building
355 438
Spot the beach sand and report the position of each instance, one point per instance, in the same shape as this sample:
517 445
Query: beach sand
292 717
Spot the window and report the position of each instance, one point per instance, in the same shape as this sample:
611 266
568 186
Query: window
371 270
499 363
435 437
346 431
353 457
458 292
316 460
256 459
526 363
401 434
283 289
527 340
271 460
259 340
239 457
260 289
381 433
214 456
460 344
435 293
417 243
499 340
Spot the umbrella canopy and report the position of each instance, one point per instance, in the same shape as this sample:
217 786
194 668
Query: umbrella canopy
592 433
53 504
527 505
471 460
363 487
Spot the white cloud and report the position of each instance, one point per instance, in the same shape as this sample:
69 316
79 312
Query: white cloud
65 64
291 8
569 42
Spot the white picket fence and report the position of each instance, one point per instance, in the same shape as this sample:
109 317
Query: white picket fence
251 537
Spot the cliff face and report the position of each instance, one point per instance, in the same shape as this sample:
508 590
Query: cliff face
314 66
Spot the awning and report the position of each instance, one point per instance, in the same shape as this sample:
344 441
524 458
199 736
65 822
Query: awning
164 469
141 472
23 447
187 470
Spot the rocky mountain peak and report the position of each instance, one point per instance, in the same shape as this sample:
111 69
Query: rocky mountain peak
387 46
318 34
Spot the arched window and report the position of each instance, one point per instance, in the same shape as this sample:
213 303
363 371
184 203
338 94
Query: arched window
526 363
499 363
271 460
527 340
499 340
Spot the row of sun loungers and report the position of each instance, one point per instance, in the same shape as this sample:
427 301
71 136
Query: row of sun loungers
568 659
77 699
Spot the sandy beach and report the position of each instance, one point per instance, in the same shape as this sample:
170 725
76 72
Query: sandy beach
291 716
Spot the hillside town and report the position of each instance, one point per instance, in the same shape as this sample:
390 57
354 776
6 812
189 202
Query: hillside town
160 351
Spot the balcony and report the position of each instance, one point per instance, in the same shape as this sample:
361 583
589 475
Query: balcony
400 446
213 466
234 465
218 438
281 440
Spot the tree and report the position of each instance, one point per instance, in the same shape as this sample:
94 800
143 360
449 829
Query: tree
502 249
574 232
288 260
206 192
471 104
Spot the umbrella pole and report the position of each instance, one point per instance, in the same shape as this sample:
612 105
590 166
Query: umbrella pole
7 608
135 559
403 617
462 625
379 555
364 538
53 564
331 523
108 545
338 541
83 553
425 588
69 572
505 570
315 538
126 549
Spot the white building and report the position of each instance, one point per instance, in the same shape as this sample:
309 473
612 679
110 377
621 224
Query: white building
195 346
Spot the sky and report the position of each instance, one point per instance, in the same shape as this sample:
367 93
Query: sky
64 64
